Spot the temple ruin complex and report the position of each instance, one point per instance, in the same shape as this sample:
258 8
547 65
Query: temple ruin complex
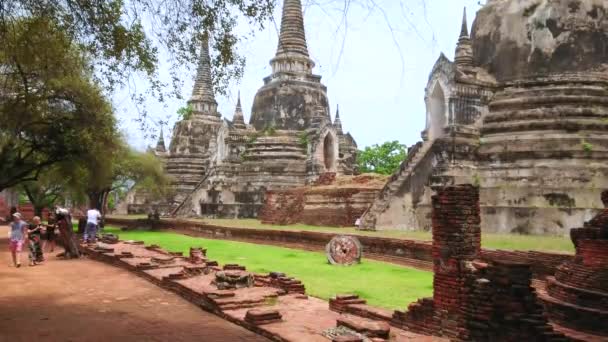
521 112
223 168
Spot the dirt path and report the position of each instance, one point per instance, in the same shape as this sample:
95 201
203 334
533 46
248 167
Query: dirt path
83 300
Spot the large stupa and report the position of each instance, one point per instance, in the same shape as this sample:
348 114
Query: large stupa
224 168
522 112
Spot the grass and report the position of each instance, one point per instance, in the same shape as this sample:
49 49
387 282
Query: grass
382 284
559 244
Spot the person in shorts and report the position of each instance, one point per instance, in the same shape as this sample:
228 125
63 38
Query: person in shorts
17 236
34 234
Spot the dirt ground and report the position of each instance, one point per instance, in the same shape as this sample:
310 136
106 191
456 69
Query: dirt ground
83 300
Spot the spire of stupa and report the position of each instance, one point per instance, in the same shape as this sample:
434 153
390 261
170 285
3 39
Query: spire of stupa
238 120
292 39
203 98
464 48
464 29
337 121
160 145
292 51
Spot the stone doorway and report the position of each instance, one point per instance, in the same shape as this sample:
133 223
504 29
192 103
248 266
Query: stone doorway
329 153
437 112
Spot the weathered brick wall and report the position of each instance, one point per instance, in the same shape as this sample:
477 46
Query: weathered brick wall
283 207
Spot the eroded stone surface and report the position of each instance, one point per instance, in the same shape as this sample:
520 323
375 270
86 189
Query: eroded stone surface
344 250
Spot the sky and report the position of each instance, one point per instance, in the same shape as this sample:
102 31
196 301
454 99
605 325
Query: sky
375 66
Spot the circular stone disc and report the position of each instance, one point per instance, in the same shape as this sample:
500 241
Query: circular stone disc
343 250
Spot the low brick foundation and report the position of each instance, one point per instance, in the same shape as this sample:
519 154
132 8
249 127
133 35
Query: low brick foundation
413 253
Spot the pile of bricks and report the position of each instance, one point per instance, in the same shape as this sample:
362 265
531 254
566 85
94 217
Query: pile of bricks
234 267
197 255
340 302
262 316
290 285
280 281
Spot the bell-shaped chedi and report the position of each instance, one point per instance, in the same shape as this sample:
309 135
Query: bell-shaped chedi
291 94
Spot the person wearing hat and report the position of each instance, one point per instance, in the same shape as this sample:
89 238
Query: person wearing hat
18 234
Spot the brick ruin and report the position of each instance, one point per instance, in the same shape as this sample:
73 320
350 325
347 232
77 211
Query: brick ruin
576 297
336 201
474 299
521 113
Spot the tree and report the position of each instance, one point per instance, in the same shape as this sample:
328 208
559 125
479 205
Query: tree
383 159
122 170
128 38
50 109
50 186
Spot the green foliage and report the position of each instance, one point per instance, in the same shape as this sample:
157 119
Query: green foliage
49 189
124 37
587 147
119 170
253 137
52 111
303 139
371 278
476 180
185 113
269 131
383 159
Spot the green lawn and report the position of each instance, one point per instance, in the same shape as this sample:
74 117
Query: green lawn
494 241
382 284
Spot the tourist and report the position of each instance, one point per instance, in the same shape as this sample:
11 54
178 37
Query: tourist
34 234
93 219
18 230
49 235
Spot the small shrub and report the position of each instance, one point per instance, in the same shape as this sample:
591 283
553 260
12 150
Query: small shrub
476 180
587 147
303 139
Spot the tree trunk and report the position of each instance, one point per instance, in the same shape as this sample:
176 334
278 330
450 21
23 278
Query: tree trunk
99 200
68 239
38 209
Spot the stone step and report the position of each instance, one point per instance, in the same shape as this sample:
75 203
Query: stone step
365 326
576 295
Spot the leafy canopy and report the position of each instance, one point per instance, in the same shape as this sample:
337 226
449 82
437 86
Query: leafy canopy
131 38
383 159
50 109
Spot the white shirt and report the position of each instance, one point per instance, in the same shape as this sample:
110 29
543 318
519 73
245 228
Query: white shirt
93 216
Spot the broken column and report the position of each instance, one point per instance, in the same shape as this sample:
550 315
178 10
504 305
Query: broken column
456 242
